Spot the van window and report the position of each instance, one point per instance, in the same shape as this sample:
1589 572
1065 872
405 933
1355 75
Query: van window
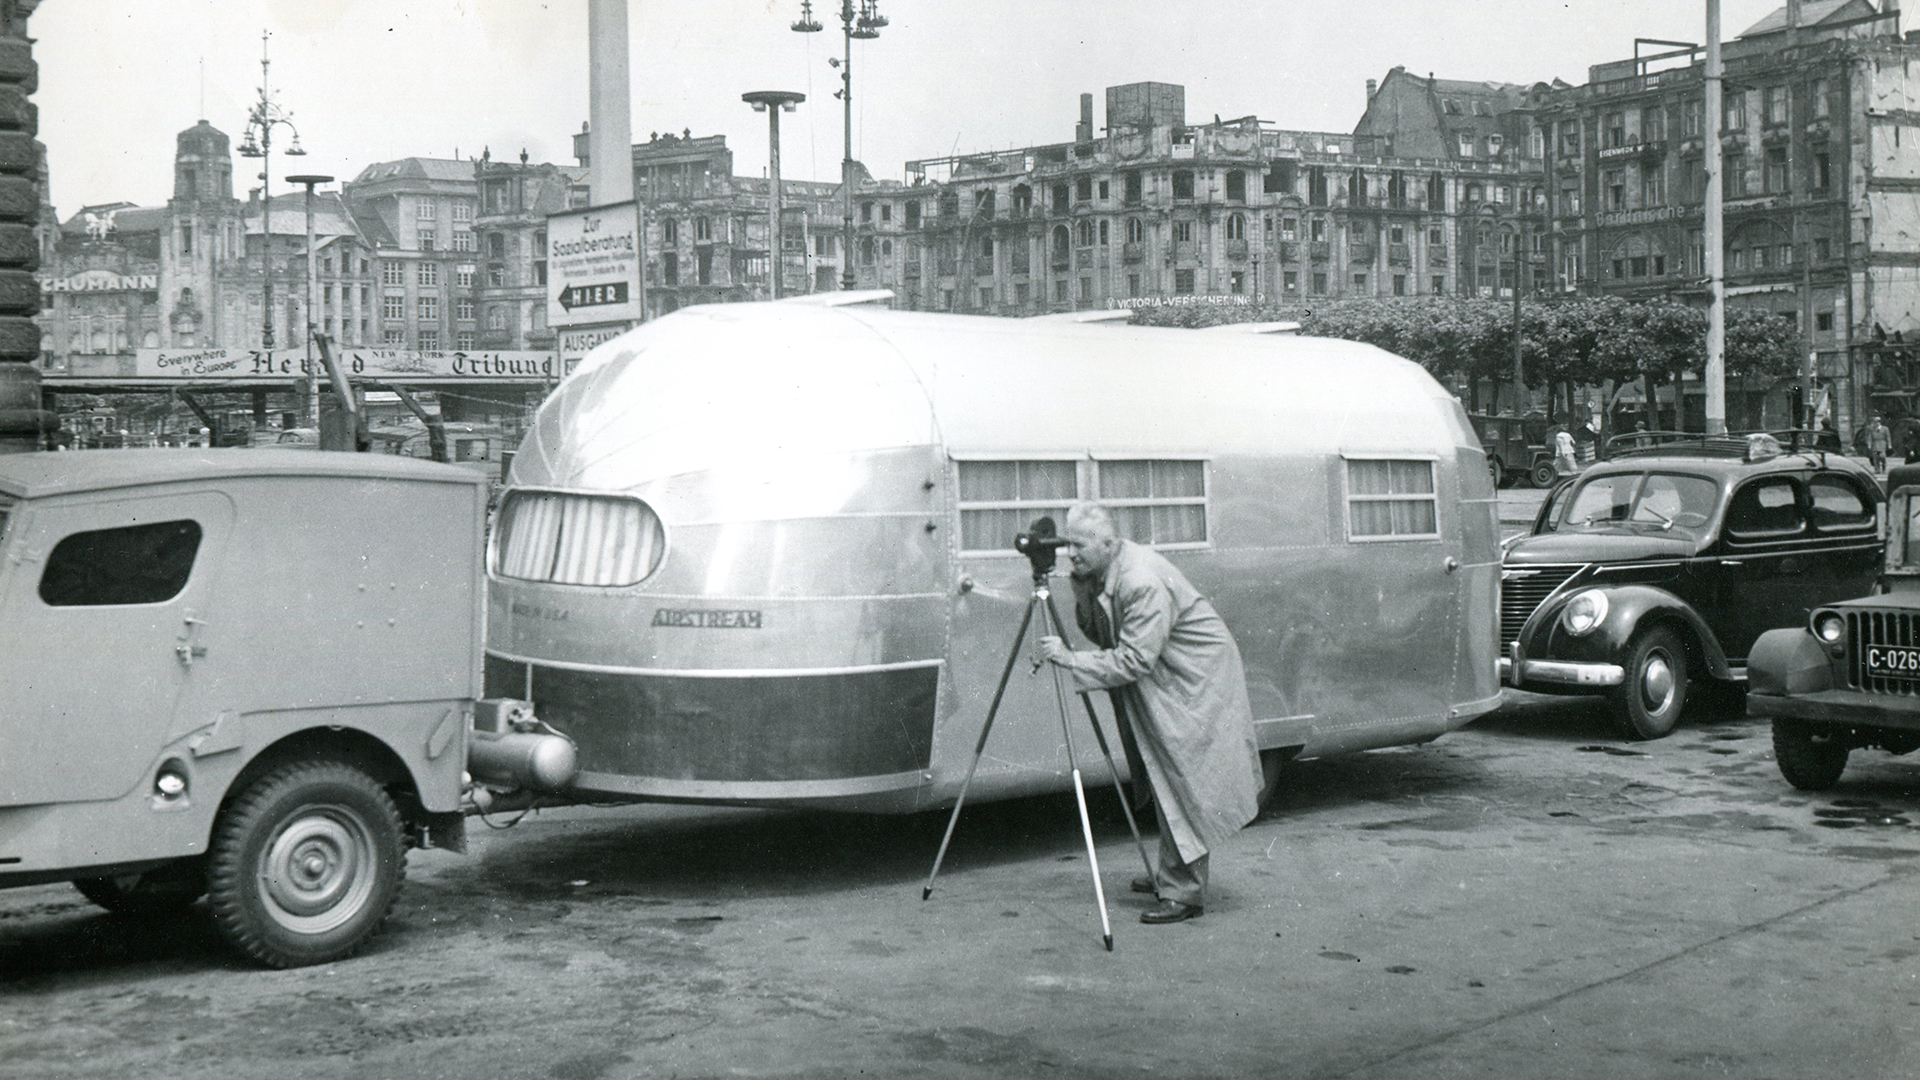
1391 500
137 564
578 539
1764 508
1001 498
1156 502
1837 504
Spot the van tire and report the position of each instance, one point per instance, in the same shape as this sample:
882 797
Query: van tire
166 890
1648 703
305 864
1809 756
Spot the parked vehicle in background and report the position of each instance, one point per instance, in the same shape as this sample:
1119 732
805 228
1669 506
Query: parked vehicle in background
1516 447
1657 570
1849 678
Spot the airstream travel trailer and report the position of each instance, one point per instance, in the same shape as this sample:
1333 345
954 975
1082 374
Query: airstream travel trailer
763 553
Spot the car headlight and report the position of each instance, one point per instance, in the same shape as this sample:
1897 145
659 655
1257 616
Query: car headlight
1829 627
1584 612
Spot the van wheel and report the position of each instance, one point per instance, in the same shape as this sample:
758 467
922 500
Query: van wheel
162 891
1648 703
305 864
1544 475
1810 757
1272 764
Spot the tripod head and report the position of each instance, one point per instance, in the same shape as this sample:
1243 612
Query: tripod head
1039 544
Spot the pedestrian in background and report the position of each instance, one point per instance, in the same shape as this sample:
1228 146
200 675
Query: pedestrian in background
1564 461
1187 697
1879 441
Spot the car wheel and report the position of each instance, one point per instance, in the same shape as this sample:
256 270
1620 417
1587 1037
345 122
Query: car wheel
1809 757
1272 764
305 864
1544 475
1648 703
163 891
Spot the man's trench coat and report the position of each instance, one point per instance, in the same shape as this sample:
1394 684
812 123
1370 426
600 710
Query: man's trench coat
1187 697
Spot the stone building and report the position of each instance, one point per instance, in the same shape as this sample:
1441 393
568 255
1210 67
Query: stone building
510 292
1818 193
1152 209
417 216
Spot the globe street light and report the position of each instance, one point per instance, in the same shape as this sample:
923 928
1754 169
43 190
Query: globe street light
865 25
773 103
265 115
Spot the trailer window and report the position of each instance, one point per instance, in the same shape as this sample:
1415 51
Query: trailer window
1001 498
1391 500
578 539
137 564
1156 502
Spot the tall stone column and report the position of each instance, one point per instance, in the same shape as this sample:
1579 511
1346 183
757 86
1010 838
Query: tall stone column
22 421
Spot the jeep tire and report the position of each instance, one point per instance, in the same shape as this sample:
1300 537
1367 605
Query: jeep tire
1810 757
1648 702
305 864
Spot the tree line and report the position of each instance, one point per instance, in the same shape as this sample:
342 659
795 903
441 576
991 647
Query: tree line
1565 342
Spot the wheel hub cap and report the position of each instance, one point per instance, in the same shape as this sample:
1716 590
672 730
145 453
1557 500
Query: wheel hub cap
1656 683
318 870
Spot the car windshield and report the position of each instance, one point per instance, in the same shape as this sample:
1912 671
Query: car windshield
1642 501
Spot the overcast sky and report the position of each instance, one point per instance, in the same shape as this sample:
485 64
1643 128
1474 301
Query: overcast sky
375 80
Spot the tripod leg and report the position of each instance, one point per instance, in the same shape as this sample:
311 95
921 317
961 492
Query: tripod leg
980 747
1112 770
1050 626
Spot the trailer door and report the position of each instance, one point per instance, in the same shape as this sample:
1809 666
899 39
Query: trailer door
101 627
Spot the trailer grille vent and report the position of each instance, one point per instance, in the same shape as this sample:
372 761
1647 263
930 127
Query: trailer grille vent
577 539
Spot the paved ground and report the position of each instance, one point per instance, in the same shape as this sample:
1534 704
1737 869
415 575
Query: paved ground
1528 897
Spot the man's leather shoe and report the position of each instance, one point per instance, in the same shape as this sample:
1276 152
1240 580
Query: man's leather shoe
1142 884
1167 911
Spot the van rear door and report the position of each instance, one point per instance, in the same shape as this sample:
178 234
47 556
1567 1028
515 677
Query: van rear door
102 604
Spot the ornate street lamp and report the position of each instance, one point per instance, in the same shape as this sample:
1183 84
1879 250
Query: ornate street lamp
864 24
265 115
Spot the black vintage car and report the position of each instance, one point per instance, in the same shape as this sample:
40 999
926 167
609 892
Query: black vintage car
1658 569
1848 678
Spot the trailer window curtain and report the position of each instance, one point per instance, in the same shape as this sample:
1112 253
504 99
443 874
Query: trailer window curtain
1391 500
1156 502
578 539
1001 498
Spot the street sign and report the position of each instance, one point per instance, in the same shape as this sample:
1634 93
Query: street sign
593 266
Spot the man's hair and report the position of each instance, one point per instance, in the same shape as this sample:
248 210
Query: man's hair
1094 516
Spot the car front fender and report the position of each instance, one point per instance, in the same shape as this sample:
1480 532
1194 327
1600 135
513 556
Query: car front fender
1629 607
1788 661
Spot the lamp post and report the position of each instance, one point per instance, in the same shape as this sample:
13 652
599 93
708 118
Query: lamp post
773 103
865 25
313 325
265 115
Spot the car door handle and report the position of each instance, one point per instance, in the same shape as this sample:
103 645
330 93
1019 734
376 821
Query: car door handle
1733 562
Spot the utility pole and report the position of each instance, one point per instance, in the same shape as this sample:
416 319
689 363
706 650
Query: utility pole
1716 374
773 103
313 307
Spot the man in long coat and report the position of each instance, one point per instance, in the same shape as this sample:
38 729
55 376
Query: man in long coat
1188 694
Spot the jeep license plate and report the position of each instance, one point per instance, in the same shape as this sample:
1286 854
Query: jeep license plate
1890 662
